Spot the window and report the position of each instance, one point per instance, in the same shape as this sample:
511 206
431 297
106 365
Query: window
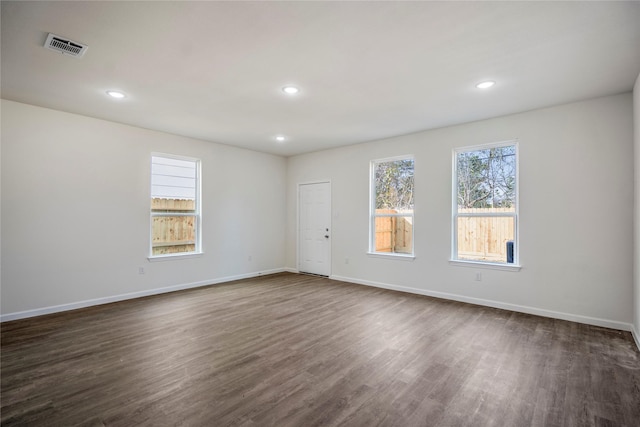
485 211
391 223
175 205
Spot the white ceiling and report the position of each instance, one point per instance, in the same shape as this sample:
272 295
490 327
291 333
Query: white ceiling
367 70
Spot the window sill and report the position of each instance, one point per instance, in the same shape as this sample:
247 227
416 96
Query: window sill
174 257
488 265
402 257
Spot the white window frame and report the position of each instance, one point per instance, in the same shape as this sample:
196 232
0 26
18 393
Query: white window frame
373 215
515 266
197 212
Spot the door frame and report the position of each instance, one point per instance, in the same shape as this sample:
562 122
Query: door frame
321 181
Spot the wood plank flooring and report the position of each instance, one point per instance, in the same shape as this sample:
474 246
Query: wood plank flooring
295 350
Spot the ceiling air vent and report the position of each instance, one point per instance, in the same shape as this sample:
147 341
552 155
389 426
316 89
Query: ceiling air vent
62 45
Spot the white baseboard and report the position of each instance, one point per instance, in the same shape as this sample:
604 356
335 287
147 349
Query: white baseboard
636 336
291 270
612 324
115 298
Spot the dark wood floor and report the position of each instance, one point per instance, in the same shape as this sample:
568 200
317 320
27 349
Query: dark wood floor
294 350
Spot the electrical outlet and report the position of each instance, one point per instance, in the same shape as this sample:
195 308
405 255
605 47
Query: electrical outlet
250 258
346 260
478 277
140 270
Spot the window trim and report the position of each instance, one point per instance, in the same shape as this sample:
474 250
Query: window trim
197 252
372 215
454 260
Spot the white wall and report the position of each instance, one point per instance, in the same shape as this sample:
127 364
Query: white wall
75 210
636 258
576 210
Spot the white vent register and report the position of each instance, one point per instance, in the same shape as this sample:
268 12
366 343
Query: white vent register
65 46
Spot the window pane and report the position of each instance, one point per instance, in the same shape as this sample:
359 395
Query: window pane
392 194
486 178
394 185
175 208
173 178
485 238
173 234
393 234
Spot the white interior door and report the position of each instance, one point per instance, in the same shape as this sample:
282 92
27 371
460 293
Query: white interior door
314 233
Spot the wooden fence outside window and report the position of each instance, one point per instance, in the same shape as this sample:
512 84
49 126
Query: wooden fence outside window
173 234
393 234
484 238
480 238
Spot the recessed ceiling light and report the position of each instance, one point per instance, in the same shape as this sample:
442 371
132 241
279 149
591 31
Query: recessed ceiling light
485 85
115 94
290 90
280 138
